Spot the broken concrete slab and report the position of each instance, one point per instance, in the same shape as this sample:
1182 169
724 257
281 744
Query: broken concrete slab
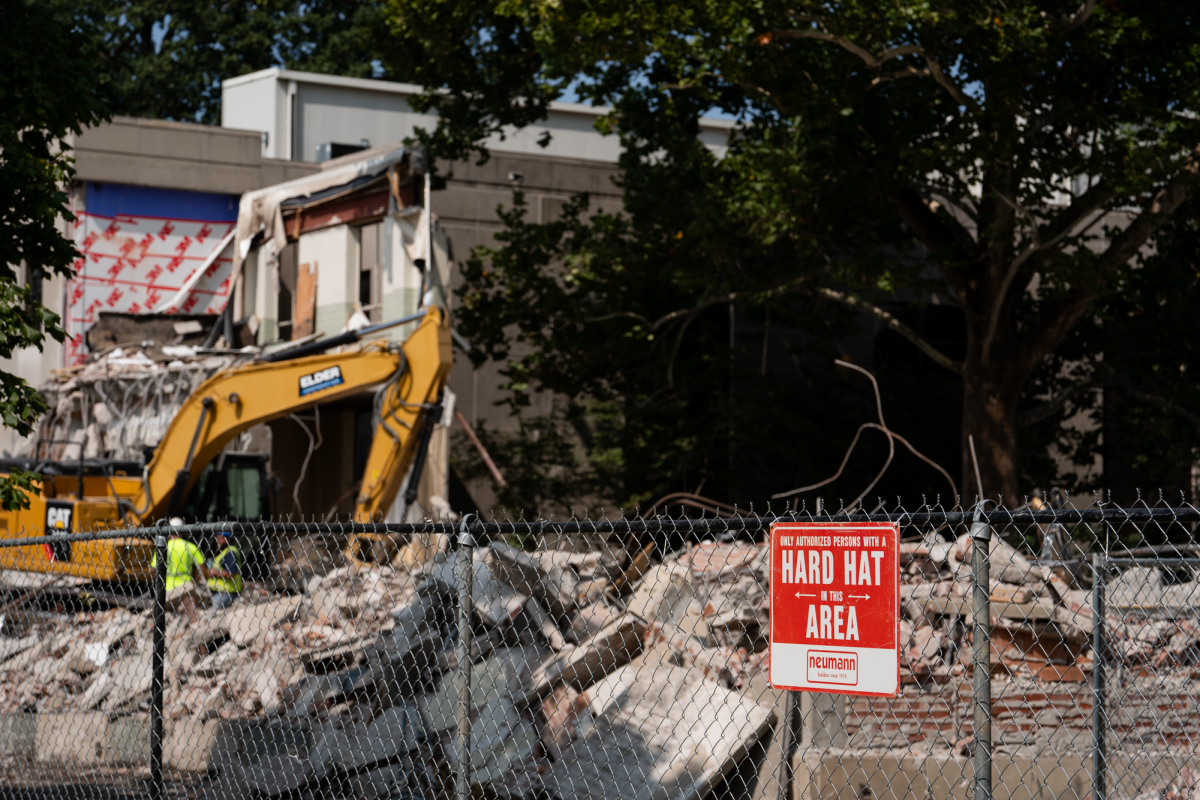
1142 588
24 660
188 744
78 736
1007 565
582 665
591 619
13 647
131 676
18 736
663 595
661 733
245 623
501 738
394 733
509 672
496 602
96 691
403 669
548 576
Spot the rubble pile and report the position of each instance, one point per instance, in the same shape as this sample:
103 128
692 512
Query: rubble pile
353 673
589 664
121 402
1040 625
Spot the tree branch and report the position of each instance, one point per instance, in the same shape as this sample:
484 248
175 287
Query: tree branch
729 297
1056 403
1049 330
894 324
940 77
907 72
619 314
875 61
1097 196
1157 400
1126 244
1081 15
1033 249
936 233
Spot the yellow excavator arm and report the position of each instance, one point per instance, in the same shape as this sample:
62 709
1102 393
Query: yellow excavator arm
407 409
234 401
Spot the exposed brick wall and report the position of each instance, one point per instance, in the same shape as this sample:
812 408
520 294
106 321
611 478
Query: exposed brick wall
1143 712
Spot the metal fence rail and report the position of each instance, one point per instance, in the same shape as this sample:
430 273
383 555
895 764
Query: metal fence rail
1046 653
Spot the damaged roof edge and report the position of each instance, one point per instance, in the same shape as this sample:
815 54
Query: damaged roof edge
261 211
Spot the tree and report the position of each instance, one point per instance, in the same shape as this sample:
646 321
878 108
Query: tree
166 59
1129 368
45 93
1008 159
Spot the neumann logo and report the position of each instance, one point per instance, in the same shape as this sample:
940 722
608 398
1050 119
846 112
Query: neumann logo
827 666
325 379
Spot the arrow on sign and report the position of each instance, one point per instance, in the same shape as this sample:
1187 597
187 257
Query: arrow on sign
859 596
804 595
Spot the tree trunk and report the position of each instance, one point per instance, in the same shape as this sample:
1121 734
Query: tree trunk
990 396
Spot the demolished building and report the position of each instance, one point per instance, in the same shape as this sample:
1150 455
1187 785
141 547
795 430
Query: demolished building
307 259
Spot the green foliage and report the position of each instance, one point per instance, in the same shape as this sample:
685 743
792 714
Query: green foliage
166 59
46 93
14 488
544 472
964 153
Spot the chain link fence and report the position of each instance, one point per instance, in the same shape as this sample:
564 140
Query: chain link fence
1045 654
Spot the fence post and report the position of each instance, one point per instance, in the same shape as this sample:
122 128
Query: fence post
466 557
158 666
981 651
1099 719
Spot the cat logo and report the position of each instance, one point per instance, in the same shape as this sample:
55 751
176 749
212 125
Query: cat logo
58 520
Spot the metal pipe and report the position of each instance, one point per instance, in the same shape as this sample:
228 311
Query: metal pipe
1099 717
1161 562
981 651
465 563
786 742
349 337
184 476
429 418
158 666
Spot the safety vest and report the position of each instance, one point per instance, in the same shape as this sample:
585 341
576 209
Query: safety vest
229 585
181 555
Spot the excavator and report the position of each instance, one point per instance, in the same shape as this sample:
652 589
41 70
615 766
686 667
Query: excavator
409 379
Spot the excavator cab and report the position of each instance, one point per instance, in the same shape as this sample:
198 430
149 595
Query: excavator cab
235 487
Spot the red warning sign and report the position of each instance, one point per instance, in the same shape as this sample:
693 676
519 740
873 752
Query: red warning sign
835 607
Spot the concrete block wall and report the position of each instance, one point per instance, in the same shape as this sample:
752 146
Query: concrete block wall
18 736
92 738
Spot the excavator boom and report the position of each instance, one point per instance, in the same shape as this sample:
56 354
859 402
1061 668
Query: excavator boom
231 402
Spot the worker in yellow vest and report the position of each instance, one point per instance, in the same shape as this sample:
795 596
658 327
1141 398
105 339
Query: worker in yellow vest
225 574
185 572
